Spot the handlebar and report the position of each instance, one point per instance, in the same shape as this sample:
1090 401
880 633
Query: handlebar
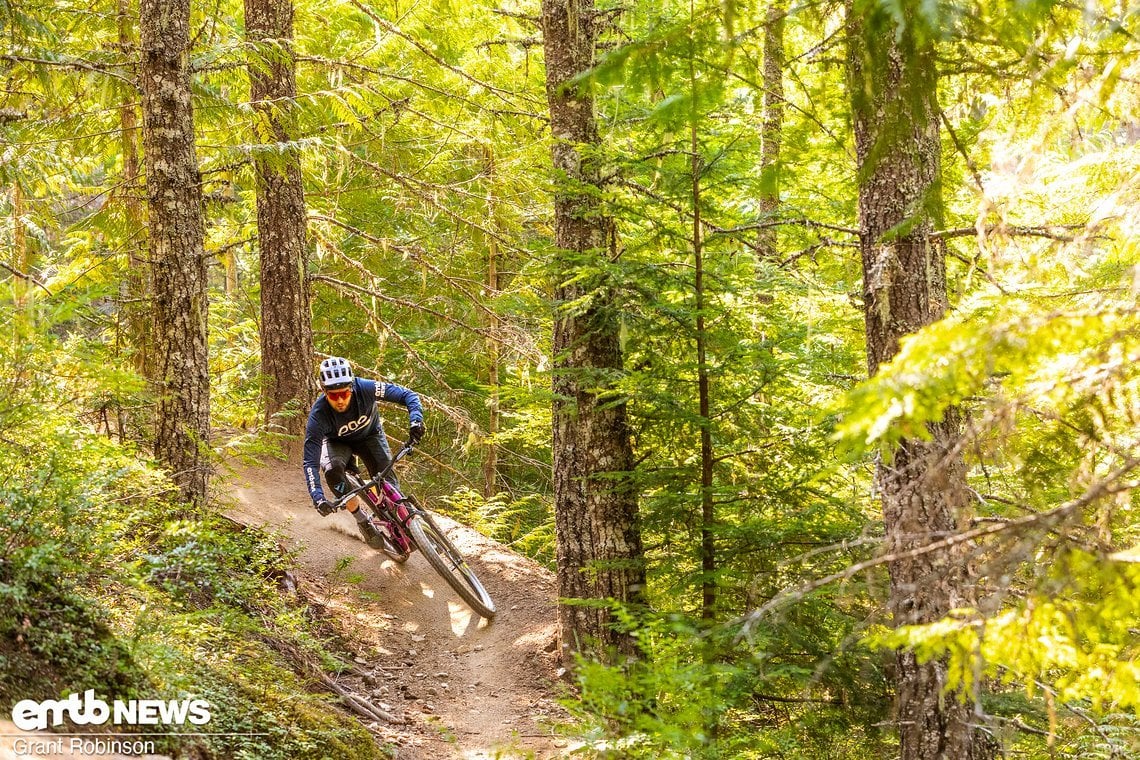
342 502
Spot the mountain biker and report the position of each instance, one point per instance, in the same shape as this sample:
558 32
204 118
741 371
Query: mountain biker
345 421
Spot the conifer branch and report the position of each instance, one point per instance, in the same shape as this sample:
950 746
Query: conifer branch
356 299
343 285
414 252
1043 231
536 20
409 183
524 42
417 83
70 138
1106 486
974 264
457 415
26 277
974 173
72 63
735 231
803 222
391 28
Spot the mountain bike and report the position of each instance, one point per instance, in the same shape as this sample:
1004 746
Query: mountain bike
405 526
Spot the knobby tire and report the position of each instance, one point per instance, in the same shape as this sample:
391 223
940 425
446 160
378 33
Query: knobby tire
449 563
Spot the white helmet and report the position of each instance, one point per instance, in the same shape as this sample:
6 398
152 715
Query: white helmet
335 371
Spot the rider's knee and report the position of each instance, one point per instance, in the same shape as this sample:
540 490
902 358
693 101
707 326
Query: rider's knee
334 475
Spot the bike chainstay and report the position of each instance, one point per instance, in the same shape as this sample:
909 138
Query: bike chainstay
396 509
403 510
382 509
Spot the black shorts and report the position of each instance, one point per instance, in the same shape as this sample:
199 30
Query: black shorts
337 455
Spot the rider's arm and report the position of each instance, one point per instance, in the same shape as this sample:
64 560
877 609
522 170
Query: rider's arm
310 462
398 394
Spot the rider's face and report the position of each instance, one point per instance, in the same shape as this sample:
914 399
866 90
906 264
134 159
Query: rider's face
339 398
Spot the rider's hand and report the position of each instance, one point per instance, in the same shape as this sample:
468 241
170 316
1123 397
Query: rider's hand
415 433
325 507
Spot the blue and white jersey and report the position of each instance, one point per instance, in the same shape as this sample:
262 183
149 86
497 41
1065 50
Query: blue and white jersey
359 421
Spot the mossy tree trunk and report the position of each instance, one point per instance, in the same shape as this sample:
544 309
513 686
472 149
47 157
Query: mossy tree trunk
137 290
174 200
893 86
599 541
771 136
286 324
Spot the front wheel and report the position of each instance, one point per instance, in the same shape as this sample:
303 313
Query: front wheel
449 563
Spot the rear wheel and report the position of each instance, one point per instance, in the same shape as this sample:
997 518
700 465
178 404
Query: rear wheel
449 563
389 546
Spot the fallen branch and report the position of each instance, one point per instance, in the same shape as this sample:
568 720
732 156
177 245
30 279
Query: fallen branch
359 706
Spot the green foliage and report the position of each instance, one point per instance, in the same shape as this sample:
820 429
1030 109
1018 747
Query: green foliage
52 639
100 587
699 694
1041 350
424 150
526 524
1069 648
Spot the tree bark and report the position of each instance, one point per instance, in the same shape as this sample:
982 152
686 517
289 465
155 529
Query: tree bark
599 540
19 244
772 131
174 199
708 506
491 463
893 88
137 288
286 323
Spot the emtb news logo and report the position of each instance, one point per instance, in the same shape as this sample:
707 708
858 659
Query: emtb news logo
29 715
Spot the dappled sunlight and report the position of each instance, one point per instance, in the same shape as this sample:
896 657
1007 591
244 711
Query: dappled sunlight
540 639
464 620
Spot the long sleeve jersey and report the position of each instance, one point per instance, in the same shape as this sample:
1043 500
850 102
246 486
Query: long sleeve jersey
360 420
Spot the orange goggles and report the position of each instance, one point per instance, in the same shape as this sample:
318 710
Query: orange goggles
338 395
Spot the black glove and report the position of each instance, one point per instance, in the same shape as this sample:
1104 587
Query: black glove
325 507
415 433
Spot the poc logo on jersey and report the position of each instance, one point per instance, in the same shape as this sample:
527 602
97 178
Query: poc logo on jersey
29 715
356 424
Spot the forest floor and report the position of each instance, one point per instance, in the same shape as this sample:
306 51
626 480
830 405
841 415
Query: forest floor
463 687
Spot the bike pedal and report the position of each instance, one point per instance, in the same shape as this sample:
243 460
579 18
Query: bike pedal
371 534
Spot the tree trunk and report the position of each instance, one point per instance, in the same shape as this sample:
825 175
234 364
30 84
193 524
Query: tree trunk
893 87
137 288
772 131
708 507
599 541
174 196
286 323
491 463
19 245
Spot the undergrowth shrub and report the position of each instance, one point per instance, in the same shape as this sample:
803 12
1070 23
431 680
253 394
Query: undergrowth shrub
103 586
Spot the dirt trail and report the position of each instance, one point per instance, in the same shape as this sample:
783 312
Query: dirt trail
467 689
